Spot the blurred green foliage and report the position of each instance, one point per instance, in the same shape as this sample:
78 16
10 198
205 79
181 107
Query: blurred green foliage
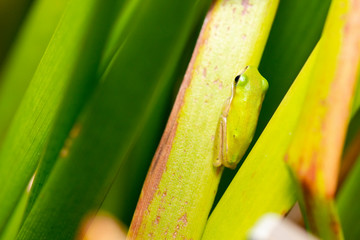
114 70
12 13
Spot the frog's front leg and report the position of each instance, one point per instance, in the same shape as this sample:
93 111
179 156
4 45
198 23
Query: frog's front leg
221 145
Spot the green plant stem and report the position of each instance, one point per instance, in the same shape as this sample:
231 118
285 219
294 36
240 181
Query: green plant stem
181 184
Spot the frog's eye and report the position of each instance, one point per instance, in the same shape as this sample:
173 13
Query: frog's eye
264 84
241 80
237 79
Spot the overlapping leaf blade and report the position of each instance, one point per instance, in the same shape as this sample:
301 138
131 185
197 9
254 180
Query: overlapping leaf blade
136 77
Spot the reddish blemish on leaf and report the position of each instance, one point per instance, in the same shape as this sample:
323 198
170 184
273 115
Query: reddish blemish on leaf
335 226
204 72
164 195
219 83
286 158
183 219
176 231
157 220
308 202
246 4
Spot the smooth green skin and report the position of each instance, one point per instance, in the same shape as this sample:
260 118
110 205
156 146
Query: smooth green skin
239 117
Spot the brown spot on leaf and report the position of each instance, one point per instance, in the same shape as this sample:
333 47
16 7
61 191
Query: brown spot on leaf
311 174
64 152
286 157
183 219
157 220
246 4
323 102
75 131
176 231
335 226
164 195
219 83
204 73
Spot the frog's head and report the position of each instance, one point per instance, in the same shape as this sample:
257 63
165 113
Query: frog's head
250 81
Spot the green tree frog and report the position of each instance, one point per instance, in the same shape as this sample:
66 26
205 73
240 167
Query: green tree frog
239 117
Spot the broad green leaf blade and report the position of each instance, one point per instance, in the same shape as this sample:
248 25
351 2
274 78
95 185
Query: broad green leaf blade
64 78
351 149
263 183
120 31
70 108
182 181
114 120
315 152
296 30
14 224
356 103
25 56
348 203
12 13
348 195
